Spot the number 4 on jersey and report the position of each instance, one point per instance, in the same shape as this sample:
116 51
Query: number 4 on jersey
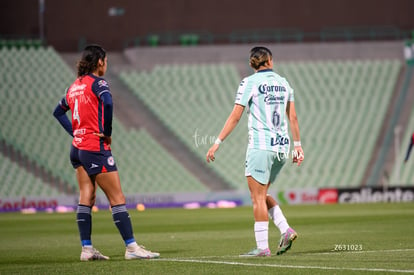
75 115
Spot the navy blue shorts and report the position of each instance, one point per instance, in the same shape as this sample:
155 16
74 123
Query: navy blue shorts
93 162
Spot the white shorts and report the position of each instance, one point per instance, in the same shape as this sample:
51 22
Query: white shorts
263 166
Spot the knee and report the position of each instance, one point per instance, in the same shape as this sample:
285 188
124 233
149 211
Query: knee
87 198
253 198
93 199
257 198
117 199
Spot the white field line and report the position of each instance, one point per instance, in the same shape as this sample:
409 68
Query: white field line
331 252
286 266
203 260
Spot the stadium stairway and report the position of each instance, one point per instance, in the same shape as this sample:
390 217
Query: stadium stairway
33 169
395 171
381 171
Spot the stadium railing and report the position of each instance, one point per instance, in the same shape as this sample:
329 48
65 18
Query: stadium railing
275 35
21 43
362 33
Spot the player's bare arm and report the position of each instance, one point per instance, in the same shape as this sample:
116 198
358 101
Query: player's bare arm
294 127
229 126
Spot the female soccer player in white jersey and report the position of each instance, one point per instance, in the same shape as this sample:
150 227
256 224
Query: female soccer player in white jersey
270 100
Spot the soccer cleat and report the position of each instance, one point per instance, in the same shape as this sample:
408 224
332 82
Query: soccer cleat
139 252
286 241
257 253
91 254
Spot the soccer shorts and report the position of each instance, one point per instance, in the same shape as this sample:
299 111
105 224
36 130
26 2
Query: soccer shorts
93 162
264 166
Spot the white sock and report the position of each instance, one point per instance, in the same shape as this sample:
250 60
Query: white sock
261 230
132 245
279 219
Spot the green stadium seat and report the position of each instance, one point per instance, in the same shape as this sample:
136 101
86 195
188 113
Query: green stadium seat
334 98
32 93
402 173
17 182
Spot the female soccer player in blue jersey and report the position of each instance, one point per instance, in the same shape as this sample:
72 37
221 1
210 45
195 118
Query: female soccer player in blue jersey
90 102
270 100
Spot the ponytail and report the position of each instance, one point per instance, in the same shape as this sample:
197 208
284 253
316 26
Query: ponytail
90 57
259 56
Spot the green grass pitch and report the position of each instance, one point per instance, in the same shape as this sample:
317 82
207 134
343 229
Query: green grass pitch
333 239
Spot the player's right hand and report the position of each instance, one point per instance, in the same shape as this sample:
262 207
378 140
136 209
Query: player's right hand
210 154
108 140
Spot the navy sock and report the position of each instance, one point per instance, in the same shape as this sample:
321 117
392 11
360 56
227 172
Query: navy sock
84 220
123 222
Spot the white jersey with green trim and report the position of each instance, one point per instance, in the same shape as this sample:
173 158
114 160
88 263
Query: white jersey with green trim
266 94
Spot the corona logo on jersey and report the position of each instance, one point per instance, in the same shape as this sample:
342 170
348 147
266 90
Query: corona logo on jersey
264 88
270 92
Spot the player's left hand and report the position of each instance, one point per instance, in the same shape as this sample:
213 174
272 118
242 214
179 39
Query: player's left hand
299 155
210 154
108 140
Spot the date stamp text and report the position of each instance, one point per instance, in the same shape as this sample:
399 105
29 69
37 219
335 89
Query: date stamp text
348 247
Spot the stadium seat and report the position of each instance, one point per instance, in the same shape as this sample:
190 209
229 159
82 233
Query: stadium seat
403 173
340 106
333 98
17 182
34 80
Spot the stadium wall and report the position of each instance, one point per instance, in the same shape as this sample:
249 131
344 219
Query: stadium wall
145 58
67 24
397 194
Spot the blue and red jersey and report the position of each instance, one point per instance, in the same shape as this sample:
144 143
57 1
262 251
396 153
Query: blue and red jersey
85 99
